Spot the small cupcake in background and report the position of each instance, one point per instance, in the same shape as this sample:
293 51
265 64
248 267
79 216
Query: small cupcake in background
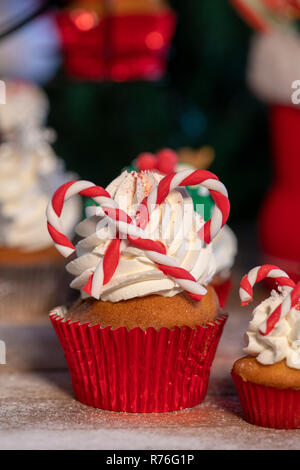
26 106
268 378
225 244
144 332
32 273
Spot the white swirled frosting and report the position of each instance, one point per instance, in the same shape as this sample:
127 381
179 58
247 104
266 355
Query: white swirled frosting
224 244
28 178
225 249
174 223
283 342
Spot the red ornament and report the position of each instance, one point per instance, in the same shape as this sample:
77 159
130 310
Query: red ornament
164 161
146 161
107 45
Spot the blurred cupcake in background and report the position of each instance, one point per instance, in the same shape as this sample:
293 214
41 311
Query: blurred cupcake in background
225 244
32 274
144 332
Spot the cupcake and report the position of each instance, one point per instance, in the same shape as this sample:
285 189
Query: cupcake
143 334
26 106
32 273
268 378
225 244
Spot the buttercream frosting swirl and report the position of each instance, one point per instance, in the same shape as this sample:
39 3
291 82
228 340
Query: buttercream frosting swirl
28 177
224 246
283 342
174 223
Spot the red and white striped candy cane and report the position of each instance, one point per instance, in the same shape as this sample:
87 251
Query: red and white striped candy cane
107 266
154 250
55 207
292 299
258 274
203 178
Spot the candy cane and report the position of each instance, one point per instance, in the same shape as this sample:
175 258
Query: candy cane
156 252
55 207
290 301
258 274
134 233
108 265
203 178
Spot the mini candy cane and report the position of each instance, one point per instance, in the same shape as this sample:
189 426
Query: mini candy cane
55 207
203 178
290 301
155 251
258 274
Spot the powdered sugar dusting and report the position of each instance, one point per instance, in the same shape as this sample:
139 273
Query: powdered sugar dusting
38 409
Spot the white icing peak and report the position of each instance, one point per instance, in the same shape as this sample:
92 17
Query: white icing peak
224 245
283 342
174 223
225 249
28 177
26 106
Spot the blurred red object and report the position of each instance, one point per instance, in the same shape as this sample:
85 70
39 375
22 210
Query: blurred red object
164 161
116 44
223 290
280 214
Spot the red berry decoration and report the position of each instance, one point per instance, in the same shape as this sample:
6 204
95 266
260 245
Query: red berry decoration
146 161
166 161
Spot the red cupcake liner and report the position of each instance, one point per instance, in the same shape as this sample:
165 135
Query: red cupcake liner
223 290
269 407
136 370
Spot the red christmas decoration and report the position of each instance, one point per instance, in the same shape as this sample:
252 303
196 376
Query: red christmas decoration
116 41
280 214
273 56
164 161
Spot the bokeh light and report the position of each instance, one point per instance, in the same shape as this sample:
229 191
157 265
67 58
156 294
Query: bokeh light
84 20
154 40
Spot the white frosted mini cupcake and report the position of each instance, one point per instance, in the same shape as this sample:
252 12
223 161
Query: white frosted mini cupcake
268 378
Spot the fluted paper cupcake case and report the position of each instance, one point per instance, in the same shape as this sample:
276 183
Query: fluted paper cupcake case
138 370
27 293
269 407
